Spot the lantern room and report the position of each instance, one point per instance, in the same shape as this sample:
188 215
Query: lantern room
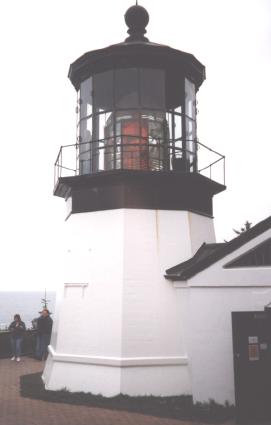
136 112
130 119
137 105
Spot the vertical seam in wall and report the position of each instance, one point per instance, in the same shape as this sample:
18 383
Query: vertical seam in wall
122 292
190 232
157 223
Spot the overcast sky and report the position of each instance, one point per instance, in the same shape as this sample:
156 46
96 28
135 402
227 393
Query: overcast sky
39 40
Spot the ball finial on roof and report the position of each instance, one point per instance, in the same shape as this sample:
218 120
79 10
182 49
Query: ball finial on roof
136 18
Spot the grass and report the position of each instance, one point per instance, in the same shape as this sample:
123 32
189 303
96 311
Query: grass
177 407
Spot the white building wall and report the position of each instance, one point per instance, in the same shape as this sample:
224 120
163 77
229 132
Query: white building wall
88 324
212 295
201 230
121 326
210 346
93 276
150 308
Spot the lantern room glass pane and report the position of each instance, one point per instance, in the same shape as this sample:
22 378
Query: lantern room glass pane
190 125
103 92
152 88
190 99
128 138
154 128
126 88
85 126
85 100
177 127
108 146
85 146
191 145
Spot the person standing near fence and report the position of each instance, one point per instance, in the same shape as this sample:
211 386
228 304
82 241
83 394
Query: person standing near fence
17 330
44 329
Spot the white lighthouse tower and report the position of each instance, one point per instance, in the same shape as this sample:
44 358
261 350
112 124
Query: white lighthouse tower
137 204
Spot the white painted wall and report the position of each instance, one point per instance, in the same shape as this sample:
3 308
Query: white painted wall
121 324
212 295
201 230
210 345
94 256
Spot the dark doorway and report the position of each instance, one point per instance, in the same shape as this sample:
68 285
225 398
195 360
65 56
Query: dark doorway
252 365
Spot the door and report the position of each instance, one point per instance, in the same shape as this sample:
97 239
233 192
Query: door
252 365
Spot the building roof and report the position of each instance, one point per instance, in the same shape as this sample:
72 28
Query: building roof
135 52
209 254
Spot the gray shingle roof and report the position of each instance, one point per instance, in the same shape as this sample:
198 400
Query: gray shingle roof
208 254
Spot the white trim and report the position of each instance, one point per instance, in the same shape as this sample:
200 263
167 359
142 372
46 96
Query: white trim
118 361
222 286
232 285
83 286
182 285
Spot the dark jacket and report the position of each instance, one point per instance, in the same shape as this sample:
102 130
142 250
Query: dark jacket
17 331
44 325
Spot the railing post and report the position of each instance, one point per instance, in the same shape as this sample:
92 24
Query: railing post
76 159
121 152
60 172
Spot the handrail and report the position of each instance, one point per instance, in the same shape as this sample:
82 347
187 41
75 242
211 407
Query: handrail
210 165
159 153
209 149
67 168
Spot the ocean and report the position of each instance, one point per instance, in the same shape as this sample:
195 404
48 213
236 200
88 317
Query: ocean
27 304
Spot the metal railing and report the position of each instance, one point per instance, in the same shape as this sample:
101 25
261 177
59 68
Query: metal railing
28 345
129 152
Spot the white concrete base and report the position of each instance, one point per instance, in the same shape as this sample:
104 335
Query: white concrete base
113 376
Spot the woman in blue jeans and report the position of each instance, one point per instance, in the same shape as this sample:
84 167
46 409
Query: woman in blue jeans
17 330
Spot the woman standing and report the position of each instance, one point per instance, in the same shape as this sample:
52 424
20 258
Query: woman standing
17 329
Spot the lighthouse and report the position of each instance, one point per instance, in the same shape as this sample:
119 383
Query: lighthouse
138 202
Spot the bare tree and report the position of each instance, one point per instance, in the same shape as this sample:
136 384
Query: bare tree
245 228
45 301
